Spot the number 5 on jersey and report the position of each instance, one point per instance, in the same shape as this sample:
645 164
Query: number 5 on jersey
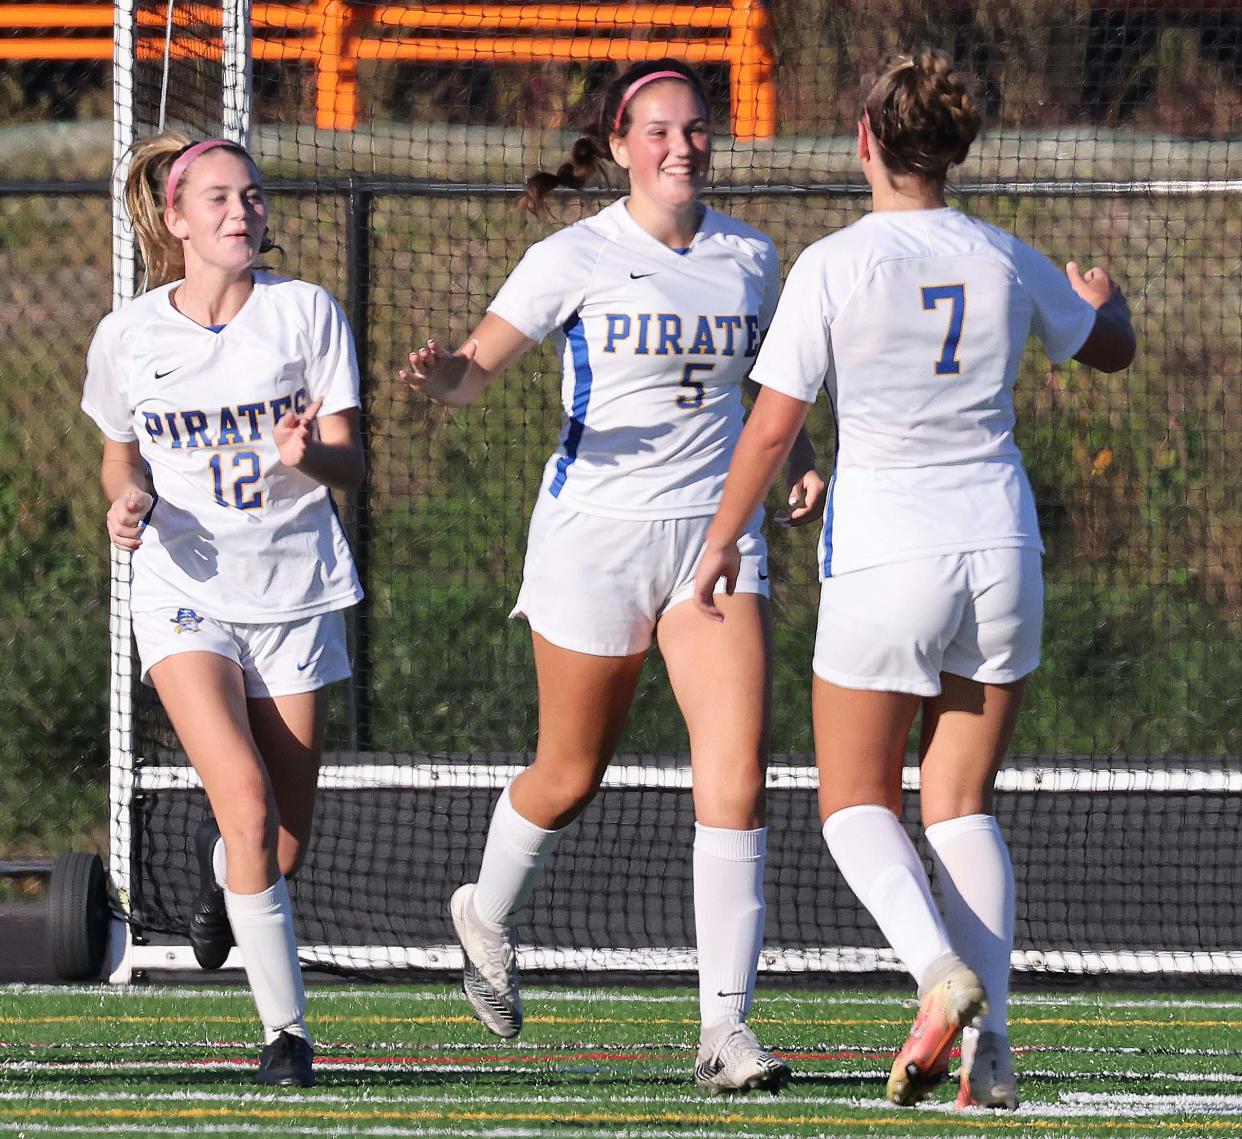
948 364
694 400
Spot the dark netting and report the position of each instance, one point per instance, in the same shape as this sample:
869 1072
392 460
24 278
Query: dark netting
394 140
1098 875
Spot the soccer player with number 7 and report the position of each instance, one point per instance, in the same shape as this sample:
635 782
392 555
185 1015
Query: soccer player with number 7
914 319
228 401
657 305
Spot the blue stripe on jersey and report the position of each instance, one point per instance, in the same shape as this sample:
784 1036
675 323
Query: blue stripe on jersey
582 396
832 487
216 327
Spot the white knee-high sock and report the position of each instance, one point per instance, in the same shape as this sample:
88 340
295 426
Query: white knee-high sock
729 910
513 858
977 888
263 927
878 860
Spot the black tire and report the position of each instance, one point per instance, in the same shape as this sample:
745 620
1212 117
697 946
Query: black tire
77 926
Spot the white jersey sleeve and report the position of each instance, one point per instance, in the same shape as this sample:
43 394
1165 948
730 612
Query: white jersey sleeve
796 355
771 263
548 285
1061 319
104 396
332 359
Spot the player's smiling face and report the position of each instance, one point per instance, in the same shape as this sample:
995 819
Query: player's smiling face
220 215
668 146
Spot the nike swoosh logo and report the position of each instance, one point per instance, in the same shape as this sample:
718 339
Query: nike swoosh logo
160 375
639 276
763 576
304 667
738 994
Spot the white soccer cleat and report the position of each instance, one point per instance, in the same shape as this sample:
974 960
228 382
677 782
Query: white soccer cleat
987 1078
731 1060
489 976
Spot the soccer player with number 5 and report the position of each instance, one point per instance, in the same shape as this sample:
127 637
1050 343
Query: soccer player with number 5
657 305
228 401
914 319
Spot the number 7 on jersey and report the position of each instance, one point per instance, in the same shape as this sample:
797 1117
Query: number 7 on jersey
948 364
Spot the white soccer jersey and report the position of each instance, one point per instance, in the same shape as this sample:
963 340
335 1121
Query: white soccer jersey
654 347
234 532
915 322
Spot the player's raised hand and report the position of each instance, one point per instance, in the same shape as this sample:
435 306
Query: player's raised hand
807 496
125 519
436 372
1095 286
294 432
715 564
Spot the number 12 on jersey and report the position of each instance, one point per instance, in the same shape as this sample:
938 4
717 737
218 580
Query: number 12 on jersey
948 364
243 480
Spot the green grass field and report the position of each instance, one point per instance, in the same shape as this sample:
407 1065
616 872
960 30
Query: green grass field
410 1061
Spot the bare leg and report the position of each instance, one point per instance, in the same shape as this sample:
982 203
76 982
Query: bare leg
860 745
206 702
583 704
720 675
964 738
288 731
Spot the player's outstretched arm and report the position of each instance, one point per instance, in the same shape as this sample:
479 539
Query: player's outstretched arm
1111 344
770 431
458 378
124 480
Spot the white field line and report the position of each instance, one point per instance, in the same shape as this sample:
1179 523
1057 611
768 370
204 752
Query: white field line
1087 1104
451 996
342 1051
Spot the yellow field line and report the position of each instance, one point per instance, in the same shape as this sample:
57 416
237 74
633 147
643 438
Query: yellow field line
312 1113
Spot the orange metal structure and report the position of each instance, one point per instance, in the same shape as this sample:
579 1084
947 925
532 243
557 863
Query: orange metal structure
334 35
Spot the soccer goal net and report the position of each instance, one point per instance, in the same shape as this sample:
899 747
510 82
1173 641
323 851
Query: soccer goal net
394 140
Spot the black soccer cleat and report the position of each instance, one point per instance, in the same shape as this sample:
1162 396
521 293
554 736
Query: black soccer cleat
286 1063
210 933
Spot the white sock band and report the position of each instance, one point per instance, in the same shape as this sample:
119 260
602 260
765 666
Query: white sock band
220 863
263 927
878 860
729 912
975 876
513 858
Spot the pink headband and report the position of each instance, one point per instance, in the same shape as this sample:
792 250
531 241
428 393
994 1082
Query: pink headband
638 85
183 161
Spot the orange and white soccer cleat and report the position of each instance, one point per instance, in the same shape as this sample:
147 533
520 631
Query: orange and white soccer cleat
956 1002
986 1078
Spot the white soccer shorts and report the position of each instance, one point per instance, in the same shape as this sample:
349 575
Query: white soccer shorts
897 627
599 585
279 659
